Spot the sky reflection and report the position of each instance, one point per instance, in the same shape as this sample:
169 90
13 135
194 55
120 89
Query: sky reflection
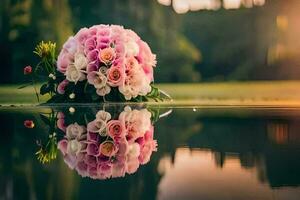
195 175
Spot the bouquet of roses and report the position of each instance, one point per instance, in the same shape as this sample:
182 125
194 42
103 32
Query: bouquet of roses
103 62
109 147
102 143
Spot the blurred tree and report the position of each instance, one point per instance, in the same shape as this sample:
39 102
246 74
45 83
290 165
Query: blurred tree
23 24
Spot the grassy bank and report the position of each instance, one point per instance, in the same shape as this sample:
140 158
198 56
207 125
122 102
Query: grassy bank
233 93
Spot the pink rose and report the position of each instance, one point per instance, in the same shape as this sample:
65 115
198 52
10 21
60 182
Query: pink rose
108 148
115 129
146 58
92 56
93 31
70 45
82 35
63 61
107 55
103 30
131 63
115 76
93 66
61 86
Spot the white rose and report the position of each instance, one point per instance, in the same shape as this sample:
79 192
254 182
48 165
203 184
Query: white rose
97 126
102 115
74 131
134 150
136 84
73 147
80 61
74 75
132 49
100 81
103 91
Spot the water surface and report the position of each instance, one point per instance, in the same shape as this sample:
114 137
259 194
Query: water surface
202 153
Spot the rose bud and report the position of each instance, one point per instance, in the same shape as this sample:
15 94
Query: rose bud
27 70
28 123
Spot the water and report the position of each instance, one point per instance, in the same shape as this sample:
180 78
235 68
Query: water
202 153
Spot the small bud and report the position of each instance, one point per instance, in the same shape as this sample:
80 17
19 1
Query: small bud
71 110
29 124
72 96
27 70
52 76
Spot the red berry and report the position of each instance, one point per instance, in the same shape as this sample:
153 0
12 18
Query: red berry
28 123
27 70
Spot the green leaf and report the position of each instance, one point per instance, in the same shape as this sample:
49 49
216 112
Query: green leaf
45 89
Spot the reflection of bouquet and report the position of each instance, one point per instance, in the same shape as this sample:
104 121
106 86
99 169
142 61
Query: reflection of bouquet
99 63
108 147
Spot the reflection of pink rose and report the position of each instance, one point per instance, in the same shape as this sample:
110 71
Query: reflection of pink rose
132 165
119 169
62 146
61 124
61 86
122 146
70 160
115 129
90 160
108 148
117 150
82 168
115 76
92 137
104 171
92 171
92 149
146 151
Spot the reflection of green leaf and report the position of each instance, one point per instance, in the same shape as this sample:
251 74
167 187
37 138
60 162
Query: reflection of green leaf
48 152
45 119
154 114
